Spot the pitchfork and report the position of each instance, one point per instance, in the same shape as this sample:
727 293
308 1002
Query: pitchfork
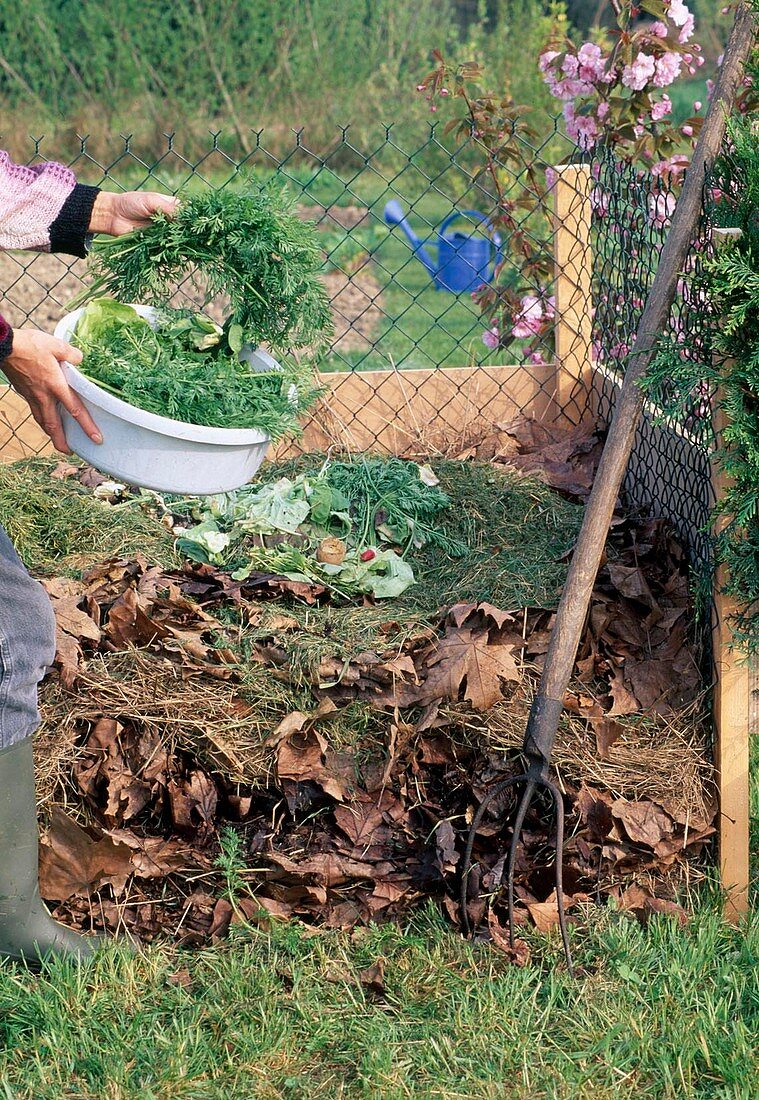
548 704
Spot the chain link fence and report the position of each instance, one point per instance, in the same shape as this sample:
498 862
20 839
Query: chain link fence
380 213
414 365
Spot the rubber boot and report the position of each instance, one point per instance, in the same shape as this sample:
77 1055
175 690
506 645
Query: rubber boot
27 931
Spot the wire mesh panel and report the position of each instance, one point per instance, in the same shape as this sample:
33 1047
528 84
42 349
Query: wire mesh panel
670 470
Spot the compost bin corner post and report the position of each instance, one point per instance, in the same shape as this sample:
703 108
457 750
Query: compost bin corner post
731 726
573 263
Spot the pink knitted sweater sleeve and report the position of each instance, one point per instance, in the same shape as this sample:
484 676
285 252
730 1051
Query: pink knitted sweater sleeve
42 209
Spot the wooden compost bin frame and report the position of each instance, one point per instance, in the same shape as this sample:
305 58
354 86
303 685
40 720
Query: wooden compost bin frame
408 411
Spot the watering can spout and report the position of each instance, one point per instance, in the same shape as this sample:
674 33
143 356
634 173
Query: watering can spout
394 216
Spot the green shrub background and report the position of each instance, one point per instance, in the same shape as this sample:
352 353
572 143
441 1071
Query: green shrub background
144 67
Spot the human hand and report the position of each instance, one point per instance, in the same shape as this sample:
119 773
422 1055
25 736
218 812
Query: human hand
33 368
116 214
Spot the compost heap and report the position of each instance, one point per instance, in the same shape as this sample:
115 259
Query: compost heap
220 749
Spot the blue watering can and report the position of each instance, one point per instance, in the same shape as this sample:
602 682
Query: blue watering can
464 260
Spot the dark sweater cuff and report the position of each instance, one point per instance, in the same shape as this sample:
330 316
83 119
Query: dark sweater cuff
70 229
6 339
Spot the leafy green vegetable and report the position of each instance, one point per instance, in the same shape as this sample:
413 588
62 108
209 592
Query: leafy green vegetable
389 497
204 542
104 316
385 576
183 369
370 502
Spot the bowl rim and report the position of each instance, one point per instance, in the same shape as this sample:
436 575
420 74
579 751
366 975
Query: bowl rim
140 418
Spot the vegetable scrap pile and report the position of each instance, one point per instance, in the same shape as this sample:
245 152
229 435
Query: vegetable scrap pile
348 526
342 749
249 246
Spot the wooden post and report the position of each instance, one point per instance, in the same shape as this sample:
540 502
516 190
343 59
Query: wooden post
572 289
731 703
731 722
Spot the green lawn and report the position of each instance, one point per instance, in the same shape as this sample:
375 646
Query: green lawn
660 1012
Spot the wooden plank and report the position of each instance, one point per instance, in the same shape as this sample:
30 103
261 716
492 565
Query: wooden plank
398 412
407 412
572 290
732 734
20 435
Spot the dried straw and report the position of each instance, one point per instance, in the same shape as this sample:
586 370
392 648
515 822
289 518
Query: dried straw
663 759
193 712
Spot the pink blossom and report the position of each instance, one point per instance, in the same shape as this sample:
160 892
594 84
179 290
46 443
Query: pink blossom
547 59
551 178
581 128
688 131
529 321
491 338
687 29
637 75
660 209
662 108
697 105
667 68
599 201
570 89
570 65
678 12
619 351
592 62
421 87
444 91
659 29
602 111
536 359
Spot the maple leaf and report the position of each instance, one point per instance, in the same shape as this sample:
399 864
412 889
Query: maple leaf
464 658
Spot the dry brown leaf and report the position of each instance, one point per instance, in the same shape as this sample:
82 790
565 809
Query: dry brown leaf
372 978
303 754
73 862
64 470
607 732
154 856
193 800
519 953
624 701
359 821
644 822
467 659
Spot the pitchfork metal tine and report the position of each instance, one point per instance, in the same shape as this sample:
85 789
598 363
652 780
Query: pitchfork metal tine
522 809
534 780
467 864
559 802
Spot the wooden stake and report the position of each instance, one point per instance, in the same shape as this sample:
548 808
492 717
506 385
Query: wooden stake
572 289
